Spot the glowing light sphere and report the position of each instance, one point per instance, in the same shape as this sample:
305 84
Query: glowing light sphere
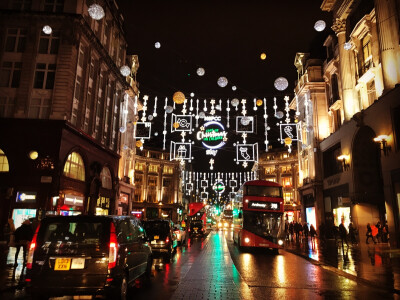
288 141
139 144
263 56
125 70
245 120
157 45
178 97
47 29
235 102
259 102
169 109
96 12
222 81
347 46
122 129
150 117
156 133
200 71
202 115
279 114
191 94
33 155
319 25
233 87
281 83
175 125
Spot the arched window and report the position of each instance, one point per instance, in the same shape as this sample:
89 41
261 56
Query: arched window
3 162
74 167
106 181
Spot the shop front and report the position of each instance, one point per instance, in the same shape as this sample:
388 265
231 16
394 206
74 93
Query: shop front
309 208
71 204
25 207
123 204
337 205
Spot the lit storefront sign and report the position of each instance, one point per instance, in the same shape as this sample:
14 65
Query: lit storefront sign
73 200
219 187
26 197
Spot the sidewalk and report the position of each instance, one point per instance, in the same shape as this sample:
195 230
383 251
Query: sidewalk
374 264
10 277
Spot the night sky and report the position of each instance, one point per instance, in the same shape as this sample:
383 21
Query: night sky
225 38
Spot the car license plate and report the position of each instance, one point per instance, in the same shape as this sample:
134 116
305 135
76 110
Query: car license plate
156 237
78 263
62 264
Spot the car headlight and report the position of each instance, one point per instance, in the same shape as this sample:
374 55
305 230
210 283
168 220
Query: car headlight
280 242
219 224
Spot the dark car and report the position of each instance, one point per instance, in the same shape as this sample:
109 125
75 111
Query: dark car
87 255
196 227
161 236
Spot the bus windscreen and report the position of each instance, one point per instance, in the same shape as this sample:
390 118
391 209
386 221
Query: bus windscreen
263 191
261 223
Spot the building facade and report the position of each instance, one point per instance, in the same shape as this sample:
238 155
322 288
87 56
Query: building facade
61 93
158 186
358 153
280 166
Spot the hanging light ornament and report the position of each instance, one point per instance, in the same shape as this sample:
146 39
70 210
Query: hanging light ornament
155 108
235 103
281 83
228 109
200 71
125 70
169 109
266 128
263 56
122 129
197 113
96 12
178 97
157 45
139 144
150 117
259 102
245 120
156 133
202 115
347 46
279 114
47 29
176 125
319 25
222 82
233 87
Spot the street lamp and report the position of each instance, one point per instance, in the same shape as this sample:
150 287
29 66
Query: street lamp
382 139
344 158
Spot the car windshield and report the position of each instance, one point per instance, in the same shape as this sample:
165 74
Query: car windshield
156 227
73 232
262 223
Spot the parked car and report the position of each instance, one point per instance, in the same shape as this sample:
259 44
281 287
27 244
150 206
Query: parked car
180 234
162 238
87 255
196 227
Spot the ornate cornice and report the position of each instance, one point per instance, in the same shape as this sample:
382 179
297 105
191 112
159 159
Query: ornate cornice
339 26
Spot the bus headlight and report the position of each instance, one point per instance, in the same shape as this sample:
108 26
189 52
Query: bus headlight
280 242
219 224
246 240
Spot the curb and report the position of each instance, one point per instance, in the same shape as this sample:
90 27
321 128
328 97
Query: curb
343 273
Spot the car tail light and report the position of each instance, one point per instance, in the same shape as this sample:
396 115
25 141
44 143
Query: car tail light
112 257
167 240
32 247
189 229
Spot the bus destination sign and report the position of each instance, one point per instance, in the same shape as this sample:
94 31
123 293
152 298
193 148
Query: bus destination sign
264 205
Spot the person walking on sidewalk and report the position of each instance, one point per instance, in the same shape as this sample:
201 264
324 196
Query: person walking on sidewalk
313 234
305 231
369 233
352 233
23 235
374 231
343 233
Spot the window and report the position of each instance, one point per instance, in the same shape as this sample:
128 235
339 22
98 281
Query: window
10 74
74 167
167 182
6 106
365 62
288 197
152 181
106 180
39 108
153 168
286 169
54 5
270 170
22 4
4 167
16 40
286 181
49 43
371 92
331 164
138 180
168 170
139 166
44 76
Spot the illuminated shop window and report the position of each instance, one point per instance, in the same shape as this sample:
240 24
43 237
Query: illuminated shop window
74 167
168 170
288 197
286 181
139 166
153 168
3 162
106 181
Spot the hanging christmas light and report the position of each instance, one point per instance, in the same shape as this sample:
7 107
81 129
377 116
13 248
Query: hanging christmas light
275 106
266 125
178 97
165 122
191 104
281 83
255 104
200 71
212 110
287 120
235 103
197 113
96 12
155 107
222 81
205 105
144 108
233 87
228 109
157 45
47 29
347 46
319 25
125 70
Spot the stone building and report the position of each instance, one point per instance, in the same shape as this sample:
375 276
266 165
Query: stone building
61 93
354 95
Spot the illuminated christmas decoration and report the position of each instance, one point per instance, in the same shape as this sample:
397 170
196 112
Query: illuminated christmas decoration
47 29
202 115
235 103
139 144
275 106
122 129
263 56
175 125
125 70
181 151
156 133
281 83
228 109
181 123
266 128
222 81
245 120
211 163
144 108
157 45
347 46
279 114
169 109
200 71
212 135
155 108
287 120
233 87
319 25
178 97
259 102
142 130
96 12
255 104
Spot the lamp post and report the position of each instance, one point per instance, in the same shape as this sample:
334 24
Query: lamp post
344 158
383 139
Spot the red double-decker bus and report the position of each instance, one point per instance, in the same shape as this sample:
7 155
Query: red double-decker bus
258 215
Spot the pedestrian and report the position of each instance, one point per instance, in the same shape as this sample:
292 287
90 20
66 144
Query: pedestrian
286 230
8 231
374 232
379 235
343 233
305 230
313 233
369 233
23 236
352 233
291 230
385 232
